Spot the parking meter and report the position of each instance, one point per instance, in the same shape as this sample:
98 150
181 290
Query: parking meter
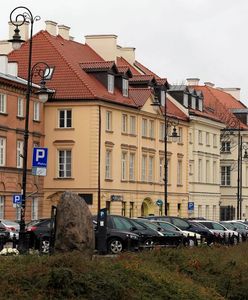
102 231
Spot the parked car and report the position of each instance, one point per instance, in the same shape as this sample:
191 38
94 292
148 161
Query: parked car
170 237
241 228
183 224
191 238
220 230
4 233
12 227
40 233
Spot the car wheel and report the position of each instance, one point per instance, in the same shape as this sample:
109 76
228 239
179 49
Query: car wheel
190 242
45 246
149 242
115 246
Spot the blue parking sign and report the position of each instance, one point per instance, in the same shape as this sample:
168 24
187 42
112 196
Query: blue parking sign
17 199
40 157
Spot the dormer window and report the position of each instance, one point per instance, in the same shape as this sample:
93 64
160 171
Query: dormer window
111 83
200 104
185 100
193 102
124 87
162 99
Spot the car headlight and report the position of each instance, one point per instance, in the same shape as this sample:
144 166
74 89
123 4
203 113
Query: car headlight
132 236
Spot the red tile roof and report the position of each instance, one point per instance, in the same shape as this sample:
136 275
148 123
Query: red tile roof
69 80
218 104
145 70
121 62
141 78
97 65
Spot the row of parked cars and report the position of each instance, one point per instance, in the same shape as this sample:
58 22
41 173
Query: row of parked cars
127 234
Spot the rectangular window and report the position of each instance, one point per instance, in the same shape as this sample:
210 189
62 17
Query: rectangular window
207 212
109 120
123 209
199 211
161 131
111 83
125 87
64 163
191 137
207 139
226 175
108 164
3 103
207 171
2 151
168 168
179 173
180 133
132 125
161 169
124 166
200 170
143 168
150 168
65 118
131 209
199 137
36 111
185 100
214 172
34 209
2 200
20 112
193 101
151 129
124 123
226 147
144 127
19 154
215 140
200 104
132 166
162 100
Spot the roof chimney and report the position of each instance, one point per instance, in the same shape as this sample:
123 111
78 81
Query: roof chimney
64 31
128 53
235 92
51 27
210 84
103 44
193 81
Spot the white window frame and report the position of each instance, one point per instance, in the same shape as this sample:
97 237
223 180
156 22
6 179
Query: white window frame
67 120
161 131
132 125
20 107
111 83
225 175
109 120
124 165
132 166
180 133
124 123
144 127
35 209
162 98
161 169
185 100
3 103
193 102
150 168
36 111
151 129
179 172
125 87
2 151
144 167
108 164
200 104
19 154
2 206
65 167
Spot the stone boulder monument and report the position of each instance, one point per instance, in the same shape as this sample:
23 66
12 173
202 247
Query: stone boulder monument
74 226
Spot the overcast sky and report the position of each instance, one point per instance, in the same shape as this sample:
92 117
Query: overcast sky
177 39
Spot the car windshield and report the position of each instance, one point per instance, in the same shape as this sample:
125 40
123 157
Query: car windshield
228 225
182 224
10 223
168 226
148 224
239 225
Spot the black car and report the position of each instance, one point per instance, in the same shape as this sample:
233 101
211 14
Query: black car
183 224
170 237
40 233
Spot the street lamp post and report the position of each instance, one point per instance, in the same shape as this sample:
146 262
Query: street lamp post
41 70
167 123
